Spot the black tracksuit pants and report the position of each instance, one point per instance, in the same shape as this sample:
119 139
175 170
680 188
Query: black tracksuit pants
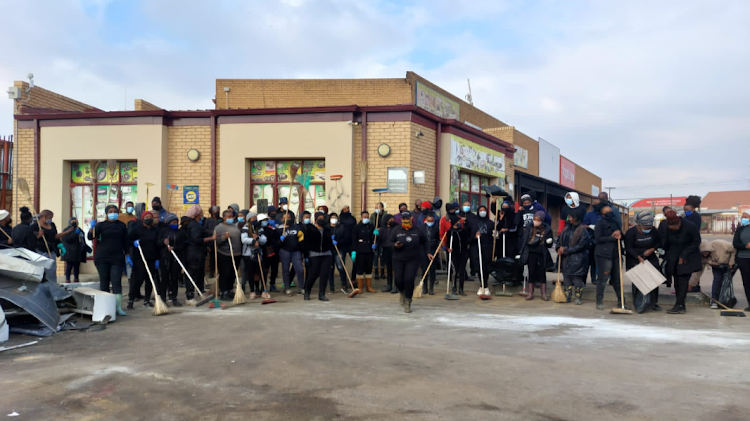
273 273
227 275
320 267
252 268
404 273
140 275
463 259
171 273
196 267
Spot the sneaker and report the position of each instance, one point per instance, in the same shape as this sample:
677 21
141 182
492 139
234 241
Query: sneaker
345 290
273 288
292 285
714 306
288 292
147 303
676 310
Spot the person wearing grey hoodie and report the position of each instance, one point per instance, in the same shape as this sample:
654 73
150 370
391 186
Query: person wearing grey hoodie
572 206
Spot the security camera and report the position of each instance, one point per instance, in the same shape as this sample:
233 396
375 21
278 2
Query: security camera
31 80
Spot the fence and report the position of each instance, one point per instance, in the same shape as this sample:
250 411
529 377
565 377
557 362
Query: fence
6 172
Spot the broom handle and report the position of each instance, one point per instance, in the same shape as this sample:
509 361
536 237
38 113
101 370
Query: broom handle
481 272
559 265
234 265
150 277
289 198
28 198
344 265
722 305
619 261
5 233
186 273
433 257
494 231
262 276
216 268
450 257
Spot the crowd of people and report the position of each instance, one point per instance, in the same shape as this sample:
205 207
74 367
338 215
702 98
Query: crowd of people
249 247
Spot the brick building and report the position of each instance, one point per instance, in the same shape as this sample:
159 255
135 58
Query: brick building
405 134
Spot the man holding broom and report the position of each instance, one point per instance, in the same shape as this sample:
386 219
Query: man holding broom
229 255
146 237
195 253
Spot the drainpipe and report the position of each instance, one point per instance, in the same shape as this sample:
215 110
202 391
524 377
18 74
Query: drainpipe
213 160
37 162
364 159
438 134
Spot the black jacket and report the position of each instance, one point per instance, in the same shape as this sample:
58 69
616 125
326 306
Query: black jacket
606 245
343 236
196 245
49 235
177 239
412 240
291 241
432 234
7 229
317 242
539 247
24 237
363 238
575 260
149 241
695 218
483 226
636 243
111 242
347 221
683 244
75 247
385 234
736 241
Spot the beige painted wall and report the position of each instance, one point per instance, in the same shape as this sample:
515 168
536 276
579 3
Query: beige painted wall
146 144
241 143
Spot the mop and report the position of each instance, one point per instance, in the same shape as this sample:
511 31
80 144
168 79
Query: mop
448 295
265 294
483 293
727 311
558 295
355 291
159 306
621 310
239 294
204 298
504 293
418 289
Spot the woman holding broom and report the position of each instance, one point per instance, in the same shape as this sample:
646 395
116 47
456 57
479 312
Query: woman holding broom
319 245
407 242
536 239
76 250
574 252
146 237
112 247
481 231
48 239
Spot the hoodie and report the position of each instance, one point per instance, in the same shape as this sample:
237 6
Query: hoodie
576 209
722 253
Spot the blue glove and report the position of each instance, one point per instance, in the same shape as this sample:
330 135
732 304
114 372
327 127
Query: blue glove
374 246
283 237
156 265
62 249
262 240
93 223
128 261
376 232
354 256
272 223
78 230
137 243
335 243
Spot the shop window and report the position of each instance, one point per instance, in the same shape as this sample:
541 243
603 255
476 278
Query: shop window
471 189
270 180
90 191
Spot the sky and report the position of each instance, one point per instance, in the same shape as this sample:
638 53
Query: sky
654 97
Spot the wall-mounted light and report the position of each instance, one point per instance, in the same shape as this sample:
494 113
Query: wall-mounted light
193 155
384 150
419 133
353 123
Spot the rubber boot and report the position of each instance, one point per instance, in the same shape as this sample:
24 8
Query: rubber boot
579 296
388 285
530 291
390 279
402 299
568 293
118 305
543 291
130 304
461 288
407 306
361 285
369 285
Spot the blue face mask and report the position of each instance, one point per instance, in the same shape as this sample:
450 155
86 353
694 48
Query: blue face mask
230 220
112 216
645 231
366 221
569 202
527 207
200 222
466 208
745 221
174 227
240 219
306 221
129 209
688 213
430 224
264 223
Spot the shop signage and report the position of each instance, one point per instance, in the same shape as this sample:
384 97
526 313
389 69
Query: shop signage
660 202
190 196
549 161
521 158
398 180
477 158
594 190
567 173
436 103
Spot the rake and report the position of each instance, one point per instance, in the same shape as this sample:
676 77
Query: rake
622 309
23 185
418 289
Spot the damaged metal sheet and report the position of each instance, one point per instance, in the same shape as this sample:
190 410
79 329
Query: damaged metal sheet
38 299
34 258
20 268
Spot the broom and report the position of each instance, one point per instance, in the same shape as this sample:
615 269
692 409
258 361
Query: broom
558 295
159 307
727 311
239 294
418 289
355 291
204 298
293 167
621 310
266 295
112 170
448 295
504 293
24 187
484 292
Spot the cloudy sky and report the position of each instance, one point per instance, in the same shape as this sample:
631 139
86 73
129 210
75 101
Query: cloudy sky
653 96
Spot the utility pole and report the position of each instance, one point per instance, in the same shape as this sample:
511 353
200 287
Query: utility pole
610 191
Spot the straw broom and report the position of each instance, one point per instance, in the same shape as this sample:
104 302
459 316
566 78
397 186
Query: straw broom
159 307
112 170
418 289
293 167
23 185
239 294
204 298
558 295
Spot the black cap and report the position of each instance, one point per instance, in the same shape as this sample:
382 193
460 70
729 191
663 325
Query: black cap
406 214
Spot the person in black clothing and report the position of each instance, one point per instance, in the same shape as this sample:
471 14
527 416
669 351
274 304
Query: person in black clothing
432 233
481 232
473 259
75 250
195 253
641 242
608 260
573 203
112 247
573 249
209 224
340 233
22 236
291 246
388 226
145 239
691 204
363 238
407 242
48 241
536 239
378 224
6 228
506 227
172 238
460 250
319 244
682 245
741 242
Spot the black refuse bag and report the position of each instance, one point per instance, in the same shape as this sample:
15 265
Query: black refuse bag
640 302
506 270
726 295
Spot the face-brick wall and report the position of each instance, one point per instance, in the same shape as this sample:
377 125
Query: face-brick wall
142 105
42 98
182 172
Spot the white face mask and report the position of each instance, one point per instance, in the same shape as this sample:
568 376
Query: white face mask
334 221
537 223
284 207
482 214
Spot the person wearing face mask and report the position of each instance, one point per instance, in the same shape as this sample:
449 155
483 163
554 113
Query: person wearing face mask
195 252
407 242
529 208
112 247
6 228
129 215
572 206
506 227
319 245
209 224
741 243
252 244
481 231
333 223
171 238
227 257
641 243
161 213
343 238
145 236
467 215
291 243
387 247
402 207
459 232
283 209
573 249
608 259
22 236
720 256
378 223
76 249
536 239
445 223
44 227
432 233
682 246
364 246
691 204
